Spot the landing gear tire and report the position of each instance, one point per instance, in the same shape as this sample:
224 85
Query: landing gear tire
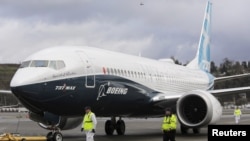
120 127
109 127
56 136
50 136
112 125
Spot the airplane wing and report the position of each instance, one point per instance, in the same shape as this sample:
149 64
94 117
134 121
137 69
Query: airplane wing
225 78
229 91
171 100
195 108
162 98
9 106
5 92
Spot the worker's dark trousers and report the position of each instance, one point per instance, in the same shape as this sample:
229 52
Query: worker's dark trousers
169 135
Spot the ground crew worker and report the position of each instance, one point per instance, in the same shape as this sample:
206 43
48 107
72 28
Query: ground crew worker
89 124
237 114
169 125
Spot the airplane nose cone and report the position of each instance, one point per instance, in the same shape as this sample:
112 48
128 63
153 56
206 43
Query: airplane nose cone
26 87
27 76
16 81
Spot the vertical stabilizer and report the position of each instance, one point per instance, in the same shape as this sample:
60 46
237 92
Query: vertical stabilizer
202 58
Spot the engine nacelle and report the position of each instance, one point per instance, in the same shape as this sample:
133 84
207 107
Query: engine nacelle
198 108
50 121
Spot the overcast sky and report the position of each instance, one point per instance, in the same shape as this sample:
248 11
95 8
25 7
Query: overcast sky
157 29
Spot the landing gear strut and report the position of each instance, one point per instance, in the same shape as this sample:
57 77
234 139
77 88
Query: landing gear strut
112 125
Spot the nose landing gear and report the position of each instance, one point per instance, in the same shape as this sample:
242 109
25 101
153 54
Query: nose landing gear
55 135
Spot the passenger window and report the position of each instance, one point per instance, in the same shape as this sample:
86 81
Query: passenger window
122 72
108 71
112 72
118 72
125 72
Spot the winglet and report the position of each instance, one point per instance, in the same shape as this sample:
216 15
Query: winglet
202 58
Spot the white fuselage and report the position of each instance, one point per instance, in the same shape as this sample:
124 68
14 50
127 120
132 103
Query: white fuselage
83 61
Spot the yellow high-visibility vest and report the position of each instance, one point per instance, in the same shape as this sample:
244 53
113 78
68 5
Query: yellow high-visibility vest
87 121
169 123
237 112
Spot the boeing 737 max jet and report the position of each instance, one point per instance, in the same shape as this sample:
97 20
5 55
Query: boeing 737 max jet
55 84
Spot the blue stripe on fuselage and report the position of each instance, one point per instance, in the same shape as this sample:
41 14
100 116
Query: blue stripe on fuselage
67 96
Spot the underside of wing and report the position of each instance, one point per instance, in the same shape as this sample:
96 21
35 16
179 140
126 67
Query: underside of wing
5 92
165 100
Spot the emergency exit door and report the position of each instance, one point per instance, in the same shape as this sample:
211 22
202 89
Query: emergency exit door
88 69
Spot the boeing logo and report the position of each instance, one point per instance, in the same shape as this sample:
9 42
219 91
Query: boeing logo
117 90
105 90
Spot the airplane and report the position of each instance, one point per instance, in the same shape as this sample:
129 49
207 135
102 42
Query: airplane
55 84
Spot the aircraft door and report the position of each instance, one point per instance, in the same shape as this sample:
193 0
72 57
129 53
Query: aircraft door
89 70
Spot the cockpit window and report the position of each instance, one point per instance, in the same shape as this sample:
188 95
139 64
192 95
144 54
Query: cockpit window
54 64
57 64
25 64
39 63
60 65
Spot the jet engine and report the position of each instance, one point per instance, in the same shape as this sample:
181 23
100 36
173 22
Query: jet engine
50 121
198 108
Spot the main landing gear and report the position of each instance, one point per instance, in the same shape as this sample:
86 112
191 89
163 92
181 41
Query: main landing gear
112 125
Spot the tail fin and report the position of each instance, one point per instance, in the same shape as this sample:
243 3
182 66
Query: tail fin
202 58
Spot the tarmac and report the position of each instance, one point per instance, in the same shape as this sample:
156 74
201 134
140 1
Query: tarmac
136 129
